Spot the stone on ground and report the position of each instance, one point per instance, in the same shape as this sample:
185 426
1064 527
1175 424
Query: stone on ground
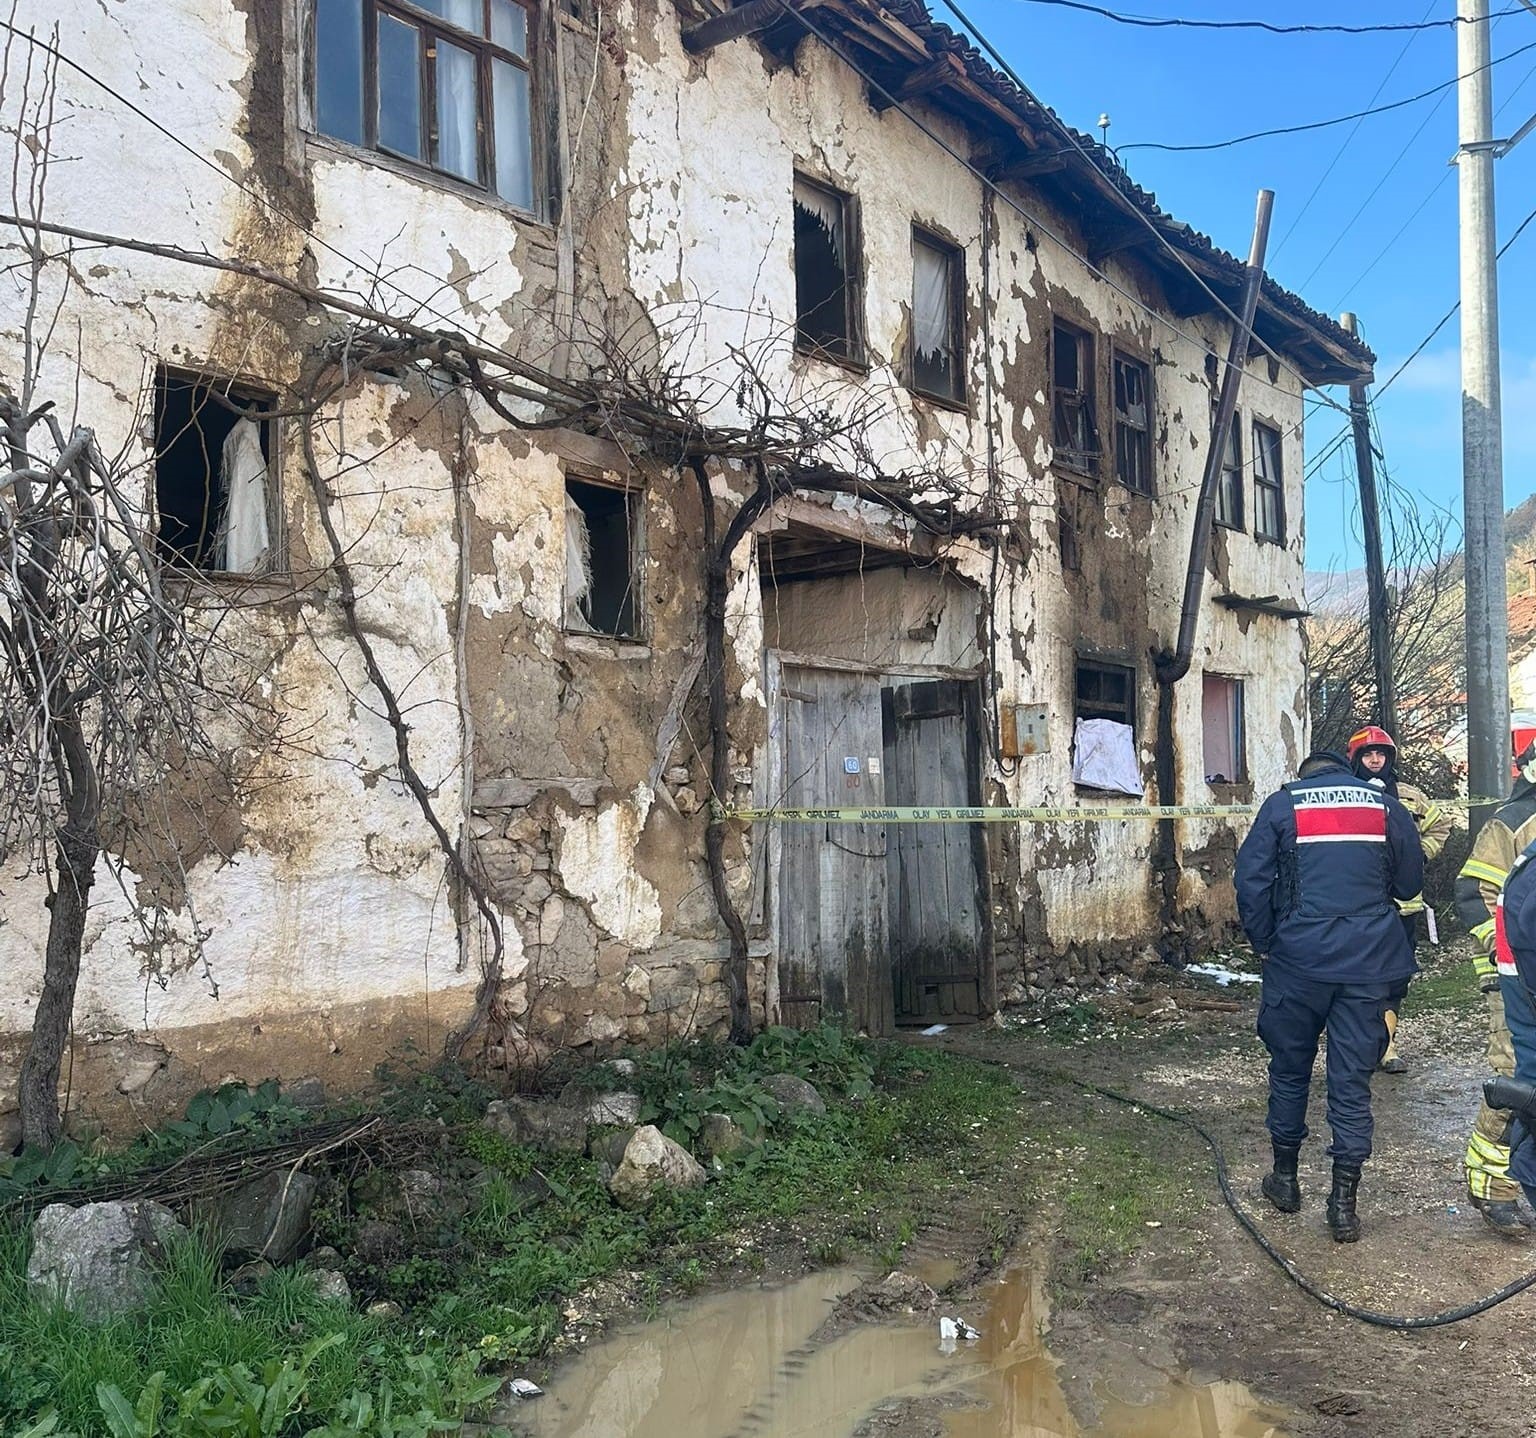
267 1217
99 1260
793 1092
651 1162
557 1127
722 1137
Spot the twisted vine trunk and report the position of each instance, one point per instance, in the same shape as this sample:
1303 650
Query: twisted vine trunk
77 847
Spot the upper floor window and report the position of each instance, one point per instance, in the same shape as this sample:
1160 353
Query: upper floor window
1133 424
1268 485
1075 431
444 83
1229 492
826 271
938 318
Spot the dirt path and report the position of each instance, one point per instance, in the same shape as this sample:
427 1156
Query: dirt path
1199 1287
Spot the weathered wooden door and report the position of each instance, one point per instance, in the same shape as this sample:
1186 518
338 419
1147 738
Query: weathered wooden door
833 956
938 921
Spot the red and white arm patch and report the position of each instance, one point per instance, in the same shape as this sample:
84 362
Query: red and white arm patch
1342 815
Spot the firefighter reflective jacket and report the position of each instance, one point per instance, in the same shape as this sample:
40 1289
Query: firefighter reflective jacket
1511 829
1319 875
1434 825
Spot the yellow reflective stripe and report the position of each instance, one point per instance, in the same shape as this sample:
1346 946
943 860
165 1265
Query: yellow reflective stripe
1484 931
1429 816
1477 869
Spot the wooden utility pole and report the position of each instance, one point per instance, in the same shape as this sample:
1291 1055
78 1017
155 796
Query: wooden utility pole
1375 565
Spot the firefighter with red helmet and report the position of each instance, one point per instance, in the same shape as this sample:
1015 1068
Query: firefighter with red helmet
1373 757
1491 1189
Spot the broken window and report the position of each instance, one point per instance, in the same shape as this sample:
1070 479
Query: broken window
1133 424
446 83
602 559
1076 434
1222 713
938 325
826 271
213 474
1105 691
1268 485
1229 492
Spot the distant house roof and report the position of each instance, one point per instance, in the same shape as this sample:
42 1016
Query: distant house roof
908 54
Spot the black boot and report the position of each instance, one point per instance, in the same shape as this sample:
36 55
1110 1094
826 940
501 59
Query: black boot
1280 1185
1513 1094
1343 1222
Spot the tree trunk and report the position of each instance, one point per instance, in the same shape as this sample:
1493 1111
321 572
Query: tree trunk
76 849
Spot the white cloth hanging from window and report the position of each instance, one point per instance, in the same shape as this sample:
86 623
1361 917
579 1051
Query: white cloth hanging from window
578 566
244 539
1104 757
931 299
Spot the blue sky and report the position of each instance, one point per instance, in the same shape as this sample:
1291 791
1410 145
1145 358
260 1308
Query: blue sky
1188 86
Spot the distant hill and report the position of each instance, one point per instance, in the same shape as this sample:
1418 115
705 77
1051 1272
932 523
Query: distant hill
1343 591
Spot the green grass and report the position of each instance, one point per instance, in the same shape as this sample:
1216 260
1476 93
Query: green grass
488 1288
1443 989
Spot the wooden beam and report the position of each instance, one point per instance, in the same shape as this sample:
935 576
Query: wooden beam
1112 239
918 82
1028 167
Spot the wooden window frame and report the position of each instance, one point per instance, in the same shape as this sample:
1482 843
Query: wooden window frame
1263 481
433 29
1088 664
955 253
853 280
239 390
1239 738
634 495
1087 462
1237 525
1119 358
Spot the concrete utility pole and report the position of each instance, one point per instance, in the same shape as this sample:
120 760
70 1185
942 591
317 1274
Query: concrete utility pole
1482 448
1375 566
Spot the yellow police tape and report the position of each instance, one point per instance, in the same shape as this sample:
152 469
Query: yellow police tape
1035 814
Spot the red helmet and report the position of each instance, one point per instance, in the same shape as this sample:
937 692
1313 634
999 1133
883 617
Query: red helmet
1371 737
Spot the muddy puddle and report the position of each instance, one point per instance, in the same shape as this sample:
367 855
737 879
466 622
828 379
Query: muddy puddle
750 1364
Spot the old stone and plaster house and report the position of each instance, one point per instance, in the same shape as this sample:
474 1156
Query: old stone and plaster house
843 199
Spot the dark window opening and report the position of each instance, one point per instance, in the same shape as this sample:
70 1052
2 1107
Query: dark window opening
1268 485
1105 691
1133 424
213 474
938 324
602 559
1226 760
445 83
1075 428
1229 493
826 279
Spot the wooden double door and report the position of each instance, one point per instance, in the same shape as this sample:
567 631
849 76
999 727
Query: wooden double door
881 924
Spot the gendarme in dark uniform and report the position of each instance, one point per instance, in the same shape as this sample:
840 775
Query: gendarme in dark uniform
1317 881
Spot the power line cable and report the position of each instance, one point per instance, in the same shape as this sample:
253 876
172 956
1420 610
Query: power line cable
1087 155
1181 22
1207 146
1345 143
1364 204
1418 209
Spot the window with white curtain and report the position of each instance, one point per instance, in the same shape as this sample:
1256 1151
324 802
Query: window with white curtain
826 271
446 84
938 322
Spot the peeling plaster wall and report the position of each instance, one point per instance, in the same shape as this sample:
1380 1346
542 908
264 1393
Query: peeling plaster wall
334 901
